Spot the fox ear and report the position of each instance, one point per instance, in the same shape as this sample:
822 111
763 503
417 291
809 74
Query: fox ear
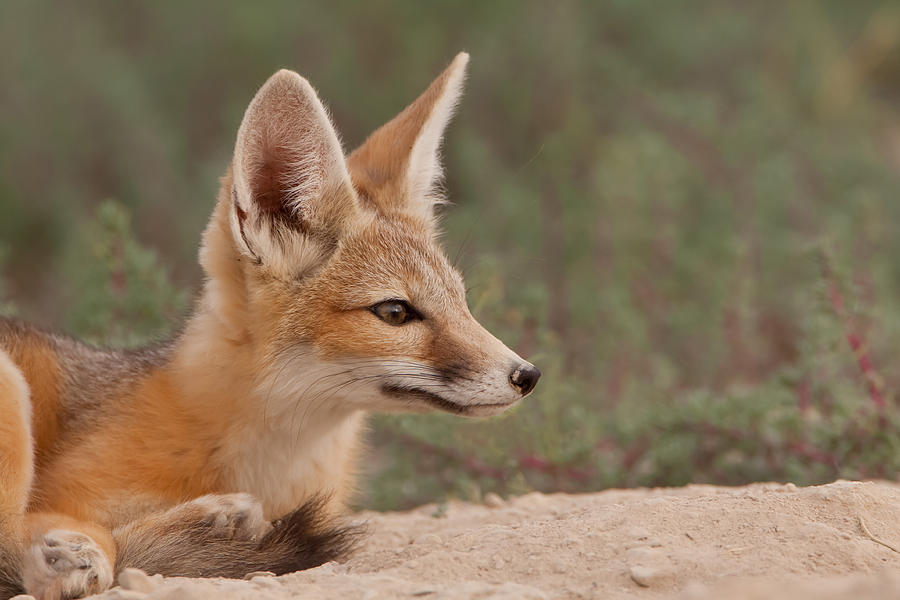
291 190
398 167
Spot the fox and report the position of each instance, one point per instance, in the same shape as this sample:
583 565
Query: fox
233 447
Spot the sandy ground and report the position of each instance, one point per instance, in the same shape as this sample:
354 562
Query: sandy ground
698 543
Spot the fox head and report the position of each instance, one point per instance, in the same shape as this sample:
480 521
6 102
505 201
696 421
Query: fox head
328 265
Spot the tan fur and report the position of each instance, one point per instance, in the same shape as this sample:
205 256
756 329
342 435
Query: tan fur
40 366
266 389
16 452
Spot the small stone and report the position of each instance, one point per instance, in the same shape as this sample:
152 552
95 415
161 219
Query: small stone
643 576
266 583
428 538
533 500
499 563
136 580
493 500
331 566
250 576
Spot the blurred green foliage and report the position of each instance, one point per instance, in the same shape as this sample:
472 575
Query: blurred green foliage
121 296
683 212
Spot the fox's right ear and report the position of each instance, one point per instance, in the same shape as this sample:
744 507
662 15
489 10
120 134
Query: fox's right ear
291 193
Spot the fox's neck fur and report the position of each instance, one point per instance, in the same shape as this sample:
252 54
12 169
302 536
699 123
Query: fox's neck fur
280 442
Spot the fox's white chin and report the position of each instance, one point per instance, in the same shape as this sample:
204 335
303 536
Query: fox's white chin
419 400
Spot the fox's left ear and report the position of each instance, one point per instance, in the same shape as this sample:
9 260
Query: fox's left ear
398 167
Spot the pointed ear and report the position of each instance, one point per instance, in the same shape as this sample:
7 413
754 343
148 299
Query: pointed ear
398 167
292 194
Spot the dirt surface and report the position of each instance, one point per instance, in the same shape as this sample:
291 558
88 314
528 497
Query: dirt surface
698 542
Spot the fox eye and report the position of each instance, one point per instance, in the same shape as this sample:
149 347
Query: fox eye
395 312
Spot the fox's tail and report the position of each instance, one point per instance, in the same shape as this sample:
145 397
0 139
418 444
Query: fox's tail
16 467
10 580
303 539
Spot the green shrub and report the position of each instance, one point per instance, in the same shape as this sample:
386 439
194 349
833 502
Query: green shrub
119 294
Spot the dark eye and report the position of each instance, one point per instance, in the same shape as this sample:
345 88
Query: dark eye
395 312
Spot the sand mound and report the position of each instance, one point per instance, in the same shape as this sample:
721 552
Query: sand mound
698 542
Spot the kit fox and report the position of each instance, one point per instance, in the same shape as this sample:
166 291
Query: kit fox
326 297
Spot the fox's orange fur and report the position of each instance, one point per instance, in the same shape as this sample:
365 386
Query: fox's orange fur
326 297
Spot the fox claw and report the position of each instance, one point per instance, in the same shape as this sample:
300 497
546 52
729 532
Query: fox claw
65 564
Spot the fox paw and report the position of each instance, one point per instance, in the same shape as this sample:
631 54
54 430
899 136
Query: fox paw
233 516
65 564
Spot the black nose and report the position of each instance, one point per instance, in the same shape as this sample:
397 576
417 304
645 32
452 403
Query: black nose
524 378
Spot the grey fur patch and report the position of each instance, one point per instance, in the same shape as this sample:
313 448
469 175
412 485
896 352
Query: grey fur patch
92 379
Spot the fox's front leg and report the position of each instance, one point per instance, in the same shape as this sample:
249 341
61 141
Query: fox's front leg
66 558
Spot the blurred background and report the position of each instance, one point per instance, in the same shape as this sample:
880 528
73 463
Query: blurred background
684 212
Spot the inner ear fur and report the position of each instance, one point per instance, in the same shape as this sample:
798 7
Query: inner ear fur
292 194
397 168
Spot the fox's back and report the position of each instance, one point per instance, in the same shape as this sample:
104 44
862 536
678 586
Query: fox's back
72 385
